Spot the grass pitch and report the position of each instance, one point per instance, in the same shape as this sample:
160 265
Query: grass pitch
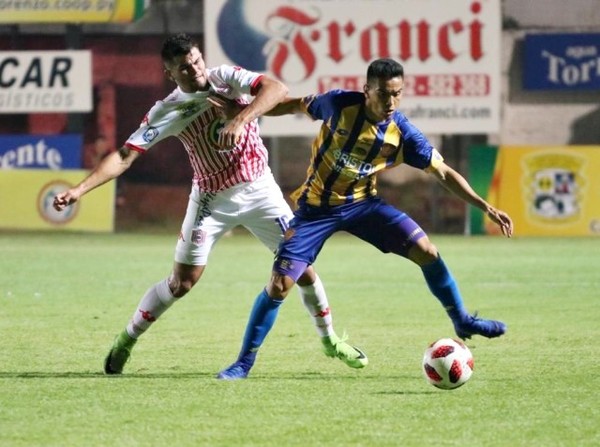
63 297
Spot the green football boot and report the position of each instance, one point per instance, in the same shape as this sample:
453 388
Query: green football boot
334 346
119 353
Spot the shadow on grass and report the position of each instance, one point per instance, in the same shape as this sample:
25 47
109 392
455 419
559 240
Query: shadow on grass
194 375
100 374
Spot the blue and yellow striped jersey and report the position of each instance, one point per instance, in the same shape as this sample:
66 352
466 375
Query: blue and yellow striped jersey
350 149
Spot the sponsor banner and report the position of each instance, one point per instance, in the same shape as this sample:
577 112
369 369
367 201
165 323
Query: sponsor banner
562 62
548 191
481 160
71 11
45 81
40 151
450 51
26 202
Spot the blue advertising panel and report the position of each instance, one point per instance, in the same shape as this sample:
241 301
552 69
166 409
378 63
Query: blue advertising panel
562 62
40 151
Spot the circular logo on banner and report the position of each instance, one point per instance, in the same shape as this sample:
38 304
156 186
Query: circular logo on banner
46 198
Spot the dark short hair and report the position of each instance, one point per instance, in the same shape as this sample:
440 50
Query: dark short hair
384 69
177 45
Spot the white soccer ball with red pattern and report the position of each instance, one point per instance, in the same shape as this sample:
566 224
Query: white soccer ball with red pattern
447 363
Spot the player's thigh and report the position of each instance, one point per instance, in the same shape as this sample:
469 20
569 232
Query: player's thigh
267 214
305 238
203 225
388 229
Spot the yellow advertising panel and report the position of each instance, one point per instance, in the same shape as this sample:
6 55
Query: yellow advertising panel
71 11
26 197
550 190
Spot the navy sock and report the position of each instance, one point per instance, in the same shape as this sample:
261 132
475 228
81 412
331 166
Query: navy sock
444 287
263 316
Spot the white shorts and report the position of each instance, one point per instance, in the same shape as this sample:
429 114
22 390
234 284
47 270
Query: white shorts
259 206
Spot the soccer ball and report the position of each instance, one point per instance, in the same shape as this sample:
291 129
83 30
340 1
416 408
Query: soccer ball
447 363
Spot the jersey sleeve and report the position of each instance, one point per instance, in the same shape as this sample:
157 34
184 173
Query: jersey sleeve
233 82
417 150
156 126
321 106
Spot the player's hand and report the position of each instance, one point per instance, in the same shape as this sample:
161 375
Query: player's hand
227 109
501 219
230 135
64 199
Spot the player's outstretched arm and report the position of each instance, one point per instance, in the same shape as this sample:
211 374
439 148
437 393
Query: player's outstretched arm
229 109
270 93
457 184
289 106
109 168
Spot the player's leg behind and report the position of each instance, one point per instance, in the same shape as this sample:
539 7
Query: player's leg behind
267 222
198 234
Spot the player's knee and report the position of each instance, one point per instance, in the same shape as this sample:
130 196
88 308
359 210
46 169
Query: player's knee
279 286
180 286
183 278
308 277
423 252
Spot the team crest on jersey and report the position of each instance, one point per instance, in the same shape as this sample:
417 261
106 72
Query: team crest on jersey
198 237
288 234
553 187
150 134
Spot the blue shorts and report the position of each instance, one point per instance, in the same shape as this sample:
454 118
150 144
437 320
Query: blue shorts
372 220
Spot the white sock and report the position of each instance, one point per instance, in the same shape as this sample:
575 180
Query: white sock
153 304
315 301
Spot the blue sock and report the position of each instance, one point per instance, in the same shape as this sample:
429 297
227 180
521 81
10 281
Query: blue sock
444 287
263 316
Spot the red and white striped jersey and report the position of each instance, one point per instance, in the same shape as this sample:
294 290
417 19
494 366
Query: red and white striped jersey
192 119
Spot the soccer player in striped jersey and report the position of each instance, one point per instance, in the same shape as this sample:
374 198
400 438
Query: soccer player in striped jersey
232 185
362 134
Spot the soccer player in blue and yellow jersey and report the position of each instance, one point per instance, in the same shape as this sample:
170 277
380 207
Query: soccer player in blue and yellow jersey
362 134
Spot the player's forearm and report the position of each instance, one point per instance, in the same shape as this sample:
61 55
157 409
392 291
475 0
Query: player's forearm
458 185
109 168
288 106
270 94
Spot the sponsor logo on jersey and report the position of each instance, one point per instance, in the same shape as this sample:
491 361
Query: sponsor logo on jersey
189 108
351 166
214 129
204 207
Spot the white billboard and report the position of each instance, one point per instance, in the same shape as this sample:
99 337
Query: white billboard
450 51
45 81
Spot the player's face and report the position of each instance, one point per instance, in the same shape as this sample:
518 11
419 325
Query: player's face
383 97
188 71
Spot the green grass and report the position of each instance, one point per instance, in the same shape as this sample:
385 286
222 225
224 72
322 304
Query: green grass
63 297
